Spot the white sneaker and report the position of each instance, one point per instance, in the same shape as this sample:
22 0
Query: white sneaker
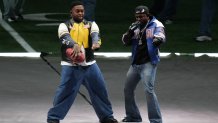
203 38
11 19
168 22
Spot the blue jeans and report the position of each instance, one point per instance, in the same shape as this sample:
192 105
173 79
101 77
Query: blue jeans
12 8
207 14
169 10
71 79
146 74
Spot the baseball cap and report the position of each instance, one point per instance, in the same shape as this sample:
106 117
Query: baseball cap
141 9
75 3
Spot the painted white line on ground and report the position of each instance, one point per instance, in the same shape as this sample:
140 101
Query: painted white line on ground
198 54
42 16
15 35
113 54
47 24
162 54
34 54
123 54
208 54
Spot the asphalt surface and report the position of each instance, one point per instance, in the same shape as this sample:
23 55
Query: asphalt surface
187 89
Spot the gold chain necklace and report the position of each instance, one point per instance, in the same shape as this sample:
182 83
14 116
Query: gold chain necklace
142 32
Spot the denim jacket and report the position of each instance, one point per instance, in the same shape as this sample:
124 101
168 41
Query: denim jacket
154 29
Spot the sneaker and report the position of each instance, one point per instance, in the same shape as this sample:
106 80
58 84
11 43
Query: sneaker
203 38
109 120
19 17
168 22
53 121
131 120
10 19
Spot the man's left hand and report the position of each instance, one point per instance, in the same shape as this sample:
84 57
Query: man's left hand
157 41
95 46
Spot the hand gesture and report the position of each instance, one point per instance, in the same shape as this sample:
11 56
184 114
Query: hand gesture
76 50
134 26
95 46
157 41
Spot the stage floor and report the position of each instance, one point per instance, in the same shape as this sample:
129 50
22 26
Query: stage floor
187 89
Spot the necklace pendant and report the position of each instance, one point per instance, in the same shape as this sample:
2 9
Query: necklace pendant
140 42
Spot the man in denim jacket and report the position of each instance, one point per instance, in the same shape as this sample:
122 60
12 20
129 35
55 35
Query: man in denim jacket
145 36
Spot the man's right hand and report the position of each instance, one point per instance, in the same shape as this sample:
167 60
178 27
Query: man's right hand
133 27
76 49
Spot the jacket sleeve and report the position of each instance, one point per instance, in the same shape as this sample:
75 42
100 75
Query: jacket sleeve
159 32
64 36
94 32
